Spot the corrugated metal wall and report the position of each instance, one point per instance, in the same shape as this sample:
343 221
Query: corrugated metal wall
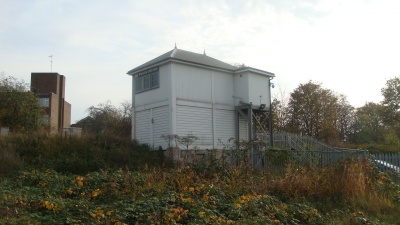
142 126
195 121
160 126
225 126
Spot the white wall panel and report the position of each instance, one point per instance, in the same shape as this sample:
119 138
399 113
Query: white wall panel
241 88
195 121
258 85
249 87
223 88
225 126
160 126
193 83
142 125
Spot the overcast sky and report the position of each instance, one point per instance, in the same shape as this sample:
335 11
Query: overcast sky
350 46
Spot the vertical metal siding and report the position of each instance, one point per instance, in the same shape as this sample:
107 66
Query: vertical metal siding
160 126
193 83
195 121
225 129
243 132
142 125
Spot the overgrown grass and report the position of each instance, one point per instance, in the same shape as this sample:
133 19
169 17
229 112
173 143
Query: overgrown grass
236 195
73 154
108 180
353 184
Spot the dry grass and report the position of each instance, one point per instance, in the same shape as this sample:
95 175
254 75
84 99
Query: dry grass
9 159
347 180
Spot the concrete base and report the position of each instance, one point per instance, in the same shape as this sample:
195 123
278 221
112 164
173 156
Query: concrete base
191 156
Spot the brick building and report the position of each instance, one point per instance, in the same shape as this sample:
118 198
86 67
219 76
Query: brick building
50 90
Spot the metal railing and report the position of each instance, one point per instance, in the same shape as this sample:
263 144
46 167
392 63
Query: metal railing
280 158
296 142
388 163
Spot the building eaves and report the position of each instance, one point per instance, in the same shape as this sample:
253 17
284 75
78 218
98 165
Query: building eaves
254 70
184 56
159 59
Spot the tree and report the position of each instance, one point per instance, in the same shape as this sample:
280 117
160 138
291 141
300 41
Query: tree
391 94
107 119
391 103
369 124
126 117
346 118
19 109
313 112
280 111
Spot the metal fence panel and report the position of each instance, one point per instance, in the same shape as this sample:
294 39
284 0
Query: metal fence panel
389 163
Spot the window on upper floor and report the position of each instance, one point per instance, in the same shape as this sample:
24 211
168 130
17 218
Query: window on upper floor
43 102
147 80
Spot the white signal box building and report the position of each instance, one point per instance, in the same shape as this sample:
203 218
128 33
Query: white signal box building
184 93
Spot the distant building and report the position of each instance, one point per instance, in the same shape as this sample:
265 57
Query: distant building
4 131
184 93
50 90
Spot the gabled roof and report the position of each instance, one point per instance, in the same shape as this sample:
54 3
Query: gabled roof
194 58
184 56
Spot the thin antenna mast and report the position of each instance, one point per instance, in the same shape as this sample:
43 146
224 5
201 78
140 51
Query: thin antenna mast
51 63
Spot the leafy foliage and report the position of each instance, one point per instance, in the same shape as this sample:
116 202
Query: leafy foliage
391 94
322 114
19 108
369 126
108 120
346 119
391 104
313 112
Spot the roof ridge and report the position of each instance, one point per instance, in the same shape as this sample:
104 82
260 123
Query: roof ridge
185 56
174 52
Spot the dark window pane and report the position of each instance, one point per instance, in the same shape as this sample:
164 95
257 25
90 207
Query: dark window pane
154 80
146 82
138 84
